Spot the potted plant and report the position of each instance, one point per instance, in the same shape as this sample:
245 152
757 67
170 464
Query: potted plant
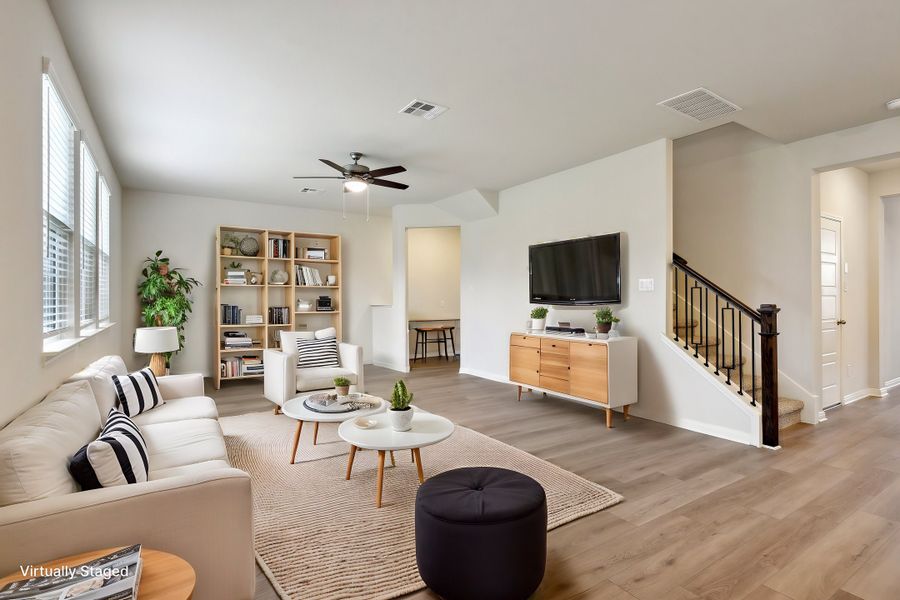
165 296
538 317
230 243
342 386
605 319
401 413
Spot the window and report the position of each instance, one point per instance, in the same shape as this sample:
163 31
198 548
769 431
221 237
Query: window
59 211
88 240
76 237
104 251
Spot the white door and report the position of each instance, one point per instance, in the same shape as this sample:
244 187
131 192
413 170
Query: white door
831 312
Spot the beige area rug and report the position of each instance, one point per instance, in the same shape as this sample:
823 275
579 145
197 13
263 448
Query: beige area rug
319 536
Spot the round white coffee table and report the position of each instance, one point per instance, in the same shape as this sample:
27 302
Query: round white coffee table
427 429
295 409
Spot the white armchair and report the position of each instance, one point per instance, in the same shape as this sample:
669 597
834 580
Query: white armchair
283 380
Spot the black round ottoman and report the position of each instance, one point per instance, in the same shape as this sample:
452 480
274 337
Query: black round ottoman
481 533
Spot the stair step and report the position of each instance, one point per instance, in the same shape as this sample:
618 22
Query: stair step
703 343
682 325
788 412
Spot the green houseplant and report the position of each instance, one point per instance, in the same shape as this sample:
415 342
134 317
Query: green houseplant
165 296
539 317
342 386
605 319
401 412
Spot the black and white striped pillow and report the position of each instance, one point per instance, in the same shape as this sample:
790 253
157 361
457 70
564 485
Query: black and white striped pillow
317 353
137 392
117 457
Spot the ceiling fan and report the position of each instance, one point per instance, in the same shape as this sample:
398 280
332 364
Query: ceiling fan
358 177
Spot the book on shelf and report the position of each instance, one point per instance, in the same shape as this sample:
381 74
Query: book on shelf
114 576
231 314
254 320
279 315
279 248
307 275
240 366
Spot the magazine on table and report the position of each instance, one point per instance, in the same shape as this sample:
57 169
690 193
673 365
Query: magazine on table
111 577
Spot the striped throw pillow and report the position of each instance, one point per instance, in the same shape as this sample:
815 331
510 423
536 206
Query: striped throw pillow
317 353
137 392
117 457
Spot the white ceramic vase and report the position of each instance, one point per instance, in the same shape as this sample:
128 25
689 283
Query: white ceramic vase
538 324
401 420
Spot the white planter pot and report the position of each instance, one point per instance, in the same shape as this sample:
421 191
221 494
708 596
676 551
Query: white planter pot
538 324
401 420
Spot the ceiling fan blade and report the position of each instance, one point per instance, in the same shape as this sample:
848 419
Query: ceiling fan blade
333 165
319 177
390 184
386 171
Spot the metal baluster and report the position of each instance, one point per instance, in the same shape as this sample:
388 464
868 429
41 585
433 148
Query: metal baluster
675 277
729 367
753 362
694 341
706 321
740 352
718 361
687 312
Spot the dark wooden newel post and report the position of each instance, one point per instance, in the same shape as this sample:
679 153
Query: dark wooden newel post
768 332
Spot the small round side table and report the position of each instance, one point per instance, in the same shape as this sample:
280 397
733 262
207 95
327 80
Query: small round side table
164 576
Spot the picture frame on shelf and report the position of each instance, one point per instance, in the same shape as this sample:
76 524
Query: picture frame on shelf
316 254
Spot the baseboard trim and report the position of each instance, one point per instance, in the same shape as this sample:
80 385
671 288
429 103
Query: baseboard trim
889 385
860 394
484 375
391 366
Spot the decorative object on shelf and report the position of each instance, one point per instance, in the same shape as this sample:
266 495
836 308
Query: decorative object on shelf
255 278
614 331
279 277
316 254
249 246
401 413
605 319
254 320
158 342
538 317
230 243
331 280
323 304
342 386
234 265
303 305
165 296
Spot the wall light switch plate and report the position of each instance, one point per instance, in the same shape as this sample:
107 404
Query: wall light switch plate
645 285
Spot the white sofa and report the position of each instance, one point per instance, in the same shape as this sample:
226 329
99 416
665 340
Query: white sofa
194 504
283 380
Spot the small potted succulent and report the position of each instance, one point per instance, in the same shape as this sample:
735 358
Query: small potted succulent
401 413
230 243
605 319
538 317
342 386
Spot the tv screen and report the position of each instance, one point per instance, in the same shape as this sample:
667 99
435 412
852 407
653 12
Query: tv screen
582 271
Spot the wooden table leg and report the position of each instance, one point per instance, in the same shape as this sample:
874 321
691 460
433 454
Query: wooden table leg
296 440
412 455
625 411
276 409
418 456
520 393
393 462
316 433
350 460
380 482
609 418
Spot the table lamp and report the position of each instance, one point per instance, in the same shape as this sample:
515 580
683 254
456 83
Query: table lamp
156 341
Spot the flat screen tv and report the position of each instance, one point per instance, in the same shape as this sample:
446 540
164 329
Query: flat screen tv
582 271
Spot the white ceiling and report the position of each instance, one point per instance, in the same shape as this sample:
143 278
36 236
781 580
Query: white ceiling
230 98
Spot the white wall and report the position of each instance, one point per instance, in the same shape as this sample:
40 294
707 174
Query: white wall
27 34
628 192
184 227
747 213
884 203
844 193
433 281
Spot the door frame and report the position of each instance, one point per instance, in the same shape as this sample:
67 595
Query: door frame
840 311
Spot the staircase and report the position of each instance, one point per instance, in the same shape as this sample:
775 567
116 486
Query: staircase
736 343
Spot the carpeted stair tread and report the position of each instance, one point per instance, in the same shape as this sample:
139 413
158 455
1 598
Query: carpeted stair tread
789 405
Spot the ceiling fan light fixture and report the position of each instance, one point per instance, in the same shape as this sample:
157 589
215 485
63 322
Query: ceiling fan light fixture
355 185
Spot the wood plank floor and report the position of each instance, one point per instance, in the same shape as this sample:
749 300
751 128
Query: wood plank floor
703 518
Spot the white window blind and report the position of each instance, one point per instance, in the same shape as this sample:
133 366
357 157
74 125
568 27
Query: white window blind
88 237
59 210
104 250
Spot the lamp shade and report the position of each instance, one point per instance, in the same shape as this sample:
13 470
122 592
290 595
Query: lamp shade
152 340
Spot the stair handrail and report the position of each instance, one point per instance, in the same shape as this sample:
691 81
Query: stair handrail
767 320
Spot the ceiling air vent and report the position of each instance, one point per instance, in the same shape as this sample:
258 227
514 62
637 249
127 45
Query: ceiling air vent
700 104
309 190
423 108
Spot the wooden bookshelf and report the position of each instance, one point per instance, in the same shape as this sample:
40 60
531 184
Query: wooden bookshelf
258 298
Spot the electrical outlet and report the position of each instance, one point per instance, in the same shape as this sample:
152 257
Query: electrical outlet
645 285
849 370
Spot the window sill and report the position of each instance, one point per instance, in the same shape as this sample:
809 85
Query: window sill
55 347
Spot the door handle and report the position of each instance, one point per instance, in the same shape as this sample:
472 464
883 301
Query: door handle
842 322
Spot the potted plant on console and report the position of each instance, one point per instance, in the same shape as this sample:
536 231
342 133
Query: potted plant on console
605 319
401 413
342 386
538 318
